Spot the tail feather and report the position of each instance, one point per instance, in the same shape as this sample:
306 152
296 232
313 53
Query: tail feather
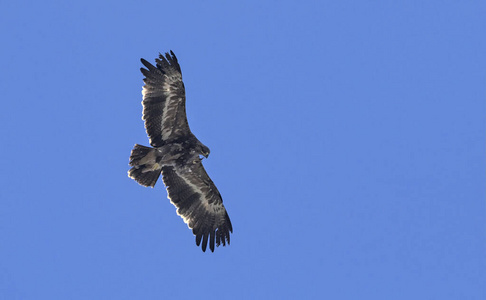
145 164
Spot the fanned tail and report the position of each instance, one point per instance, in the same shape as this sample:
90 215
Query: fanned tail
145 165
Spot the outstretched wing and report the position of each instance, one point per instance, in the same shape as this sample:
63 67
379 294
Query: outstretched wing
164 101
199 203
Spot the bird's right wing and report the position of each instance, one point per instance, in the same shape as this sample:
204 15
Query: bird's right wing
164 101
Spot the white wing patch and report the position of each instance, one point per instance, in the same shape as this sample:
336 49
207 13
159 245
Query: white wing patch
169 111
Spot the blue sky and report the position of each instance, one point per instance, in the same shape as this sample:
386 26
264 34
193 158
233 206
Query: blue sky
347 139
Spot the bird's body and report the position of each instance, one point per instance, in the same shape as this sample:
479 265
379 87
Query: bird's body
176 153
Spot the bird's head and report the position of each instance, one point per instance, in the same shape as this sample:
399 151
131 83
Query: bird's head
204 150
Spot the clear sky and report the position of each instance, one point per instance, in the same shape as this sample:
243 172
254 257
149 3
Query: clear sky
347 140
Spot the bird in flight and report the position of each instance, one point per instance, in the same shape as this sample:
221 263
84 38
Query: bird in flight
177 154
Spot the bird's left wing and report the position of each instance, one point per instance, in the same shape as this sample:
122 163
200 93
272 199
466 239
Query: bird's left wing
199 203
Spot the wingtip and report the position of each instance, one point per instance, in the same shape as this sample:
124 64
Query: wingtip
148 65
144 61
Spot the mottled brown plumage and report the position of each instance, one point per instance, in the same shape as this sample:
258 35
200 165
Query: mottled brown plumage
176 154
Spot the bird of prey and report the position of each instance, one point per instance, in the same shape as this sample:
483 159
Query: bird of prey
176 153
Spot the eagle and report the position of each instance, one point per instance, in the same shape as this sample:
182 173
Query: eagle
177 154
